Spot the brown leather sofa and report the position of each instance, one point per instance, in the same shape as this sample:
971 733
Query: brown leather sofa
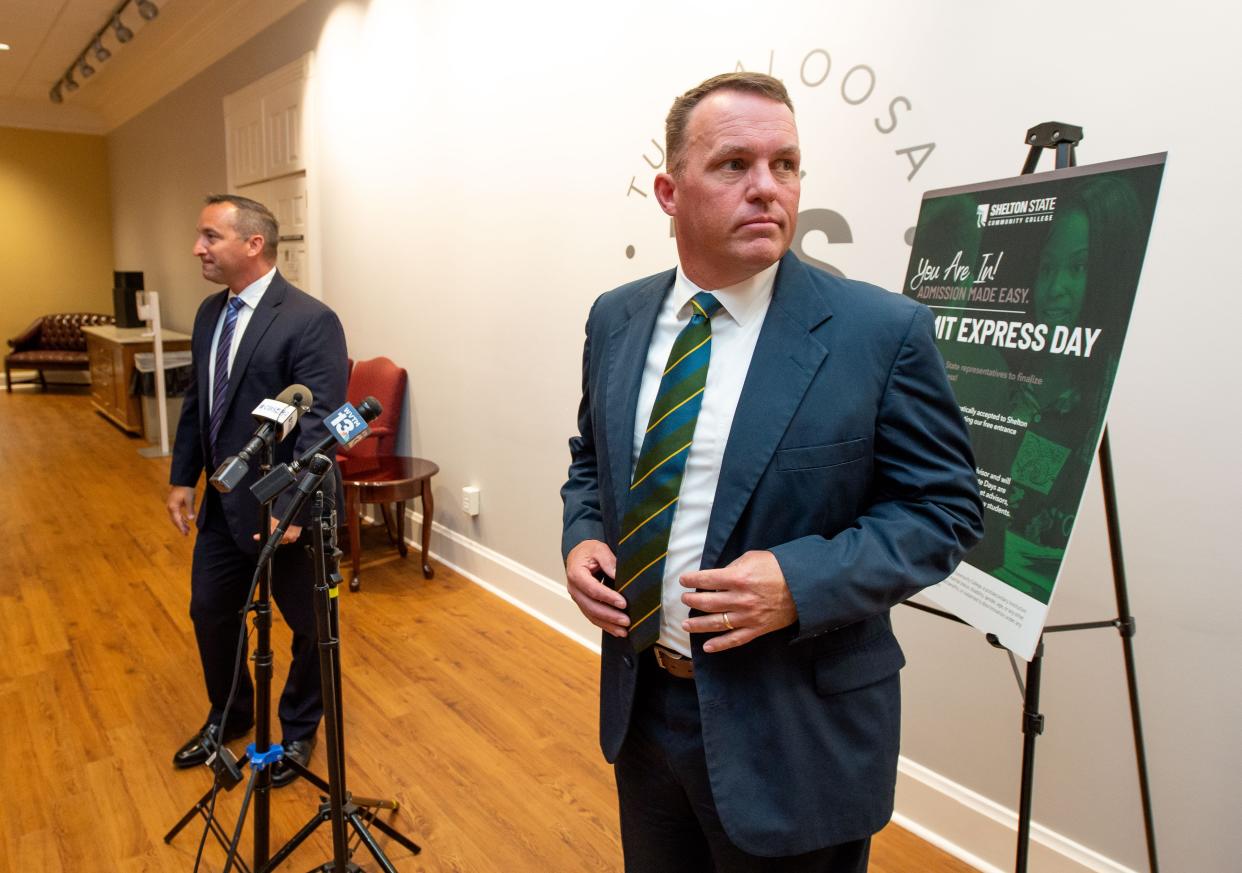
52 342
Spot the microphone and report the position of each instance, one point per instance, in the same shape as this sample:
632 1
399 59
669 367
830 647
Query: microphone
319 466
282 413
346 426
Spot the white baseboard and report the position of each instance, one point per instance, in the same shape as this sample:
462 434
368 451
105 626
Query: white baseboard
965 824
533 593
982 832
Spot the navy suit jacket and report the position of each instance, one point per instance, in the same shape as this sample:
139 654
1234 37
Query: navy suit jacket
849 461
291 338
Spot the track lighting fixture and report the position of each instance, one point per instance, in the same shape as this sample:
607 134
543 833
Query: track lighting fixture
115 28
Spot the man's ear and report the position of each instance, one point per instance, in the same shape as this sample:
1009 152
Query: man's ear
255 245
666 193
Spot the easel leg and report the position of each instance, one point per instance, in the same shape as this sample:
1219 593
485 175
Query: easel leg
1126 626
1032 727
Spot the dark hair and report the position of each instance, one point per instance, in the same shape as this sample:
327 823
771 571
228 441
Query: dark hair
679 114
1115 220
253 219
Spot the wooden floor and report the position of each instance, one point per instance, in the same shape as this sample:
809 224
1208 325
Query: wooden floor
478 719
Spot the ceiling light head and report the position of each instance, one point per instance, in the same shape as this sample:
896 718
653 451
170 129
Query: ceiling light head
147 9
84 68
101 53
70 85
54 95
123 33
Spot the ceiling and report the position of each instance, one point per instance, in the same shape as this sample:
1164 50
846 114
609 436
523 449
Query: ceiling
48 36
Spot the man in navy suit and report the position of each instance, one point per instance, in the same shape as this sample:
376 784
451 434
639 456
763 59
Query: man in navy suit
752 712
250 342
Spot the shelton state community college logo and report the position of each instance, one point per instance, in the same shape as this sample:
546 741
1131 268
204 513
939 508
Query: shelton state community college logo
807 87
1034 211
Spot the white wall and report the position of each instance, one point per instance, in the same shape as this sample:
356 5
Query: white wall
474 164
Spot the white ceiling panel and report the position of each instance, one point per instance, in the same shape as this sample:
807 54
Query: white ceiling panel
48 36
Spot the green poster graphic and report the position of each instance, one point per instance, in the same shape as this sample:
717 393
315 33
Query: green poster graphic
1032 280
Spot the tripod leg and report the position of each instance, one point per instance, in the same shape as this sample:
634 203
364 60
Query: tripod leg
199 808
307 774
241 821
373 847
300 837
389 831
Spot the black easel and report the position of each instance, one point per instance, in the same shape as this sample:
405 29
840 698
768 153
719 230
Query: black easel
340 808
1065 138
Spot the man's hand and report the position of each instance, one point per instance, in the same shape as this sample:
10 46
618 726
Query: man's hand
180 506
747 599
291 533
602 606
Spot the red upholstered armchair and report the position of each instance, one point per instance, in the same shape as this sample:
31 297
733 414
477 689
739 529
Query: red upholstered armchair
372 471
385 381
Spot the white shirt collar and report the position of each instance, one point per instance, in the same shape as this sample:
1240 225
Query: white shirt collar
741 301
253 293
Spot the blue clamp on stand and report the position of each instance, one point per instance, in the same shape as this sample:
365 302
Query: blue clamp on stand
260 760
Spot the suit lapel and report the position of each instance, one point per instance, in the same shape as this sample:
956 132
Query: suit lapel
264 314
786 359
626 356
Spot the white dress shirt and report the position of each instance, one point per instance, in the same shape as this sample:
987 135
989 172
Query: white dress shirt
250 297
735 332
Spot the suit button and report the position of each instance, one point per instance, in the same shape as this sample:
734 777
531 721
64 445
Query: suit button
628 660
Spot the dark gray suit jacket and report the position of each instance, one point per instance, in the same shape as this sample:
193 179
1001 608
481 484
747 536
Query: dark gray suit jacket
849 460
291 338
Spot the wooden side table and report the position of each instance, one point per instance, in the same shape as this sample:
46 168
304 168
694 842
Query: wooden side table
383 480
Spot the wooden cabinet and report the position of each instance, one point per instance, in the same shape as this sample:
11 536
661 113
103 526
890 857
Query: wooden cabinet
267 160
263 126
111 352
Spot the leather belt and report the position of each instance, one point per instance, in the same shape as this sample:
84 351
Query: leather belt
673 663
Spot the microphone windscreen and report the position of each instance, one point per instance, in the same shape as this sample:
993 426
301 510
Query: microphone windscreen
299 396
370 409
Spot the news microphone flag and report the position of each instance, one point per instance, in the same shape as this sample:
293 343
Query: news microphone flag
283 415
348 426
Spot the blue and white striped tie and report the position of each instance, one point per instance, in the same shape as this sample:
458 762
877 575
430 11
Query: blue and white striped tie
221 390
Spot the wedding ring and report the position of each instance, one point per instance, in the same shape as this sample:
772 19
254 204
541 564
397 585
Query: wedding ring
728 624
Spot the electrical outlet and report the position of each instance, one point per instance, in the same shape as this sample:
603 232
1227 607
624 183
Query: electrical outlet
470 500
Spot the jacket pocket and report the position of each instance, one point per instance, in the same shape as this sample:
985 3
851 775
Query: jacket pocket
858 666
830 455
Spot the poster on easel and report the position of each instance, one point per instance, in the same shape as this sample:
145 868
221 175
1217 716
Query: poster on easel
1032 281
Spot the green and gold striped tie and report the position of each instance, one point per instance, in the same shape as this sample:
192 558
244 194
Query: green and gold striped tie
657 477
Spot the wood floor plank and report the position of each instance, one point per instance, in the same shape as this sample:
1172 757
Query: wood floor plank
478 720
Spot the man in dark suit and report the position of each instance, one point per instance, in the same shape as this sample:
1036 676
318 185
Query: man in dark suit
769 457
250 342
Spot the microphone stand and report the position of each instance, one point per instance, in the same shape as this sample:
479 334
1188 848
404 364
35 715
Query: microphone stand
261 753
340 808
263 661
